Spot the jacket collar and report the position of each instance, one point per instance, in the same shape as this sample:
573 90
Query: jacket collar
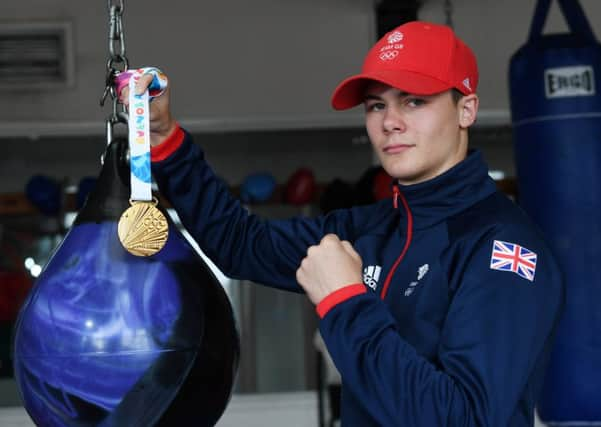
448 194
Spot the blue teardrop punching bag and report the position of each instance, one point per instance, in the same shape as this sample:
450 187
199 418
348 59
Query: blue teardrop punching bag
107 338
556 114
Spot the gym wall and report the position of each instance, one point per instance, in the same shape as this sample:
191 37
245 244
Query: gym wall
250 65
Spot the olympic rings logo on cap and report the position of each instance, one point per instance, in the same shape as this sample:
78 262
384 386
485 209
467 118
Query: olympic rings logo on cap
389 55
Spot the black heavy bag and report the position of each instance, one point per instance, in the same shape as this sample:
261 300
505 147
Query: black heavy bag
107 338
556 114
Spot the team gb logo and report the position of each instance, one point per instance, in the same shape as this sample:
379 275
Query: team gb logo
395 37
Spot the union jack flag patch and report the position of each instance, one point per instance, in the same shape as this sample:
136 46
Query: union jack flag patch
511 257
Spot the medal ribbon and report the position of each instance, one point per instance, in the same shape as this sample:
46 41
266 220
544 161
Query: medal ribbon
139 129
139 142
142 229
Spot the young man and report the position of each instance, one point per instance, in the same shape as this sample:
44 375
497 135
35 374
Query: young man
439 306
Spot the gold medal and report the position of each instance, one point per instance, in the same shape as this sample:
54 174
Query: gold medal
143 228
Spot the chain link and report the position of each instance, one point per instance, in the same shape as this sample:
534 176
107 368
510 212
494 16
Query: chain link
448 11
116 64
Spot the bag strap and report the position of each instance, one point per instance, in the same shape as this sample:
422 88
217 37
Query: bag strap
572 12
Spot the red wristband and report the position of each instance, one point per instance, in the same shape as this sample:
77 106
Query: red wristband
168 147
339 296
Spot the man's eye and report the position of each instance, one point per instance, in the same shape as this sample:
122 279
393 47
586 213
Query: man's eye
415 102
374 106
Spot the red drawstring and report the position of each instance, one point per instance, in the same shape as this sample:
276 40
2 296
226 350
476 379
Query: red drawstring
397 194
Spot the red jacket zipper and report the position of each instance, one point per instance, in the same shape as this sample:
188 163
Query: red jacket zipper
397 193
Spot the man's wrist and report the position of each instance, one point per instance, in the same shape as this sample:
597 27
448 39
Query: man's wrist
338 296
158 137
168 145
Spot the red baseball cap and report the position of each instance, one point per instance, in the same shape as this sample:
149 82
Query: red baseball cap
418 57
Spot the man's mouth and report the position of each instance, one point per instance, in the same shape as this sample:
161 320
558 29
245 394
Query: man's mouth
397 148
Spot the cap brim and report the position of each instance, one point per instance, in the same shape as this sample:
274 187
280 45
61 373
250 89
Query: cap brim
351 92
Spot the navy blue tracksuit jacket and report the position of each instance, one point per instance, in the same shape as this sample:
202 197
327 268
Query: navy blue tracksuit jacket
454 322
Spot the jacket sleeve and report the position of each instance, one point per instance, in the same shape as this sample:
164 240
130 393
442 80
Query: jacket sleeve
497 331
241 244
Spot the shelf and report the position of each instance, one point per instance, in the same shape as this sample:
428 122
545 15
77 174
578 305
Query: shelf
17 204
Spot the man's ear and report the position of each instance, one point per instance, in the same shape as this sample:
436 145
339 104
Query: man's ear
468 110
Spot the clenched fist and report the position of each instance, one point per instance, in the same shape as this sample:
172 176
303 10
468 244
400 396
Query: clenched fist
328 266
161 121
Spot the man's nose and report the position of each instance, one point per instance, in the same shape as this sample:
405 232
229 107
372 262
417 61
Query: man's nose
394 121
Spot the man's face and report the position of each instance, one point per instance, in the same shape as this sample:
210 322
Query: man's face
417 137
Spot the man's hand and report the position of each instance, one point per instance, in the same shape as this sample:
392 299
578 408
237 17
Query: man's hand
162 123
331 265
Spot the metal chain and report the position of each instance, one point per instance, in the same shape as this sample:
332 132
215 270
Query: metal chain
116 35
116 64
448 11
